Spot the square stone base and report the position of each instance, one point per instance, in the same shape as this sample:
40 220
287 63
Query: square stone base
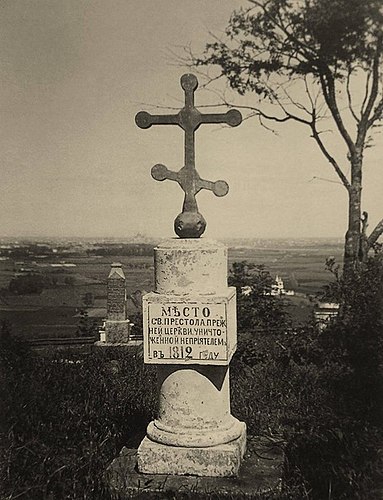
216 461
130 343
260 473
117 332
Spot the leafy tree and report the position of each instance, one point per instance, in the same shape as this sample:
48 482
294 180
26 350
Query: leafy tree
26 284
302 59
88 299
344 448
86 327
256 308
356 337
136 298
136 319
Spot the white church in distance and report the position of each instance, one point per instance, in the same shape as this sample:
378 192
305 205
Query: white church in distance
277 288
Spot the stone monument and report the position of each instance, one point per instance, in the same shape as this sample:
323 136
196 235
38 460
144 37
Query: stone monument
117 326
190 326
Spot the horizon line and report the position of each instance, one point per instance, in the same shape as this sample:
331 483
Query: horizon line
144 236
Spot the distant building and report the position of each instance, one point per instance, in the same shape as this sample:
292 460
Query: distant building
325 313
277 288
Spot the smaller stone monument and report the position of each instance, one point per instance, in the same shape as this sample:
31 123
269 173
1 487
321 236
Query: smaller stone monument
117 326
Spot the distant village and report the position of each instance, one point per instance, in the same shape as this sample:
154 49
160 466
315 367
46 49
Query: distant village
277 289
38 266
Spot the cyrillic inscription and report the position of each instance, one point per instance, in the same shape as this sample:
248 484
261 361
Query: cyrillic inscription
186 332
116 299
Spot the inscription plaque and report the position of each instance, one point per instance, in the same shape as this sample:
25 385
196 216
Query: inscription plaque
189 332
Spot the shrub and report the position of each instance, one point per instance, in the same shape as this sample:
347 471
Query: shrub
87 327
322 391
67 416
257 309
337 451
26 284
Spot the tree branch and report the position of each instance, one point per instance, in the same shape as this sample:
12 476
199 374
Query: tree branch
306 49
375 82
330 158
288 116
377 114
366 121
350 107
367 86
376 233
328 88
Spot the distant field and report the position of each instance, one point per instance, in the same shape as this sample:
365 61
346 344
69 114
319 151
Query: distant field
55 311
302 268
44 322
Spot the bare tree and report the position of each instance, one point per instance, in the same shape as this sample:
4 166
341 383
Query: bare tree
301 58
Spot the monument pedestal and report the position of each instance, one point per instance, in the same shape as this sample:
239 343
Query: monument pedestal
260 473
190 333
222 460
117 332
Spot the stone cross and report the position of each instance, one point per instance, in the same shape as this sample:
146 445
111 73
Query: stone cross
189 223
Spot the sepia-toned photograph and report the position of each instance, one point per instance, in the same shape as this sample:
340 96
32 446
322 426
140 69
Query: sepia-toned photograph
191 250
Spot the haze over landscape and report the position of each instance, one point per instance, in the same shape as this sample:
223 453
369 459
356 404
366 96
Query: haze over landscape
143 357
73 76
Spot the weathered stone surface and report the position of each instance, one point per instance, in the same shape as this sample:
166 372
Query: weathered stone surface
191 266
260 472
117 331
194 418
222 460
116 293
191 283
194 407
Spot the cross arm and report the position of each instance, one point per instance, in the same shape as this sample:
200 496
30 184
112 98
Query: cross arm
189 223
161 172
191 186
232 118
146 120
219 188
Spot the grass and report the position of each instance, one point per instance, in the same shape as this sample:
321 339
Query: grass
53 312
67 417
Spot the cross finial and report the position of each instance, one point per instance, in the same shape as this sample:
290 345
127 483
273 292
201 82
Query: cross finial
189 223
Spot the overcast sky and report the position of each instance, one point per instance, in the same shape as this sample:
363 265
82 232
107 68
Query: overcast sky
74 73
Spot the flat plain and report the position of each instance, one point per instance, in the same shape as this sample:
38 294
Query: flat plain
69 290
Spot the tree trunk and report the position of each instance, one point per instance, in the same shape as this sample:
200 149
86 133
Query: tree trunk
353 245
